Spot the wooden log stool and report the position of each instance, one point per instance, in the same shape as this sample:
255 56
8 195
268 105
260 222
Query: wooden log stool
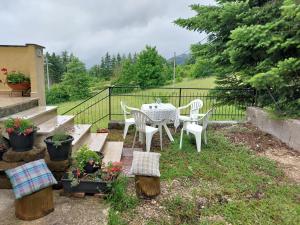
146 186
35 205
32 186
145 167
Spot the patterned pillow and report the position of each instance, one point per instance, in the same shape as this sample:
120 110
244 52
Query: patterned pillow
30 178
145 164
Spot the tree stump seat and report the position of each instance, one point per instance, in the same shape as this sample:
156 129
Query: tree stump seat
146 186
35 205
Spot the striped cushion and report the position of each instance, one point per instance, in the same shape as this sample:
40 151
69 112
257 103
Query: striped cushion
145 164
30 177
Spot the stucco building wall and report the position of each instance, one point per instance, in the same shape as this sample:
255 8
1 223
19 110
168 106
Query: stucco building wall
29 60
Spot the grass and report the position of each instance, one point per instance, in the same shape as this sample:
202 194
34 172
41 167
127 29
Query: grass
226 171
98 107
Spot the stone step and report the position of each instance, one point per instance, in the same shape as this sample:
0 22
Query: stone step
57 123
11 105
96 141
37 115
80 132
112 152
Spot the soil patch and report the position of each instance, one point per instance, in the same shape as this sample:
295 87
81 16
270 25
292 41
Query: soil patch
266 145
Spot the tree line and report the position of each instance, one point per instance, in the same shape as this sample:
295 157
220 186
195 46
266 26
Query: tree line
71 80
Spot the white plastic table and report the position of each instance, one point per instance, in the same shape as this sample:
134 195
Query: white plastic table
163 112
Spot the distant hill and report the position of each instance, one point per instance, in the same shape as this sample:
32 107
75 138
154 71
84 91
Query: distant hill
180 59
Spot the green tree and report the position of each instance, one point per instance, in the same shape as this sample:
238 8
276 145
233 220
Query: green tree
76 80
253 44
151 69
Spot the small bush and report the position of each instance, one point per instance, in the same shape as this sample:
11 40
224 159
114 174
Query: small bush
17 77
57 94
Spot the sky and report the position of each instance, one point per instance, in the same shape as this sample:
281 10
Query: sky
90 28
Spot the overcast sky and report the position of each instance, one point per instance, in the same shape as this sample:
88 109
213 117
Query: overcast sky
89 28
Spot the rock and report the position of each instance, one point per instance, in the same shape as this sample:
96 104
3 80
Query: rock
201 202
28 156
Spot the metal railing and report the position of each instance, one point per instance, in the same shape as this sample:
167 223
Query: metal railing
104 106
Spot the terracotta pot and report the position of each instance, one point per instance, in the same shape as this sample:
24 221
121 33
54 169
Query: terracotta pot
19 86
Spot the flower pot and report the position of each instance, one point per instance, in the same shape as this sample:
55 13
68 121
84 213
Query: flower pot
21 142
19 86
61 152
91 187
1 154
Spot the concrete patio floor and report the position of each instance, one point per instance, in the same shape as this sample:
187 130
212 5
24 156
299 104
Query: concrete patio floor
68 211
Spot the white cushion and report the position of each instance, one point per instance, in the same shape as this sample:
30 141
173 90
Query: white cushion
145 164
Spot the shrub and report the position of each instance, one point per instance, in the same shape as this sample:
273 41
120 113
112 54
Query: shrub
57 94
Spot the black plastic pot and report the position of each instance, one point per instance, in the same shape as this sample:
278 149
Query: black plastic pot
91 187
20 142
1 154
61 152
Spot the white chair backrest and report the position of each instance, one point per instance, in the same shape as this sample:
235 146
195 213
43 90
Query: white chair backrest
125 112
140 119
195 106
205 119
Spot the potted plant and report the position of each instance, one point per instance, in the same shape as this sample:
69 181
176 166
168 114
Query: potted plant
16 80
21 134
59 146
87 176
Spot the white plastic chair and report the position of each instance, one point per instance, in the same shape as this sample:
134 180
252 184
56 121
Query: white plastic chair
128 121
192 126
141 120
194 106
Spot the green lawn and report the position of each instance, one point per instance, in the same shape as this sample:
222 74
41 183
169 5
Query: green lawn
239 187
98 106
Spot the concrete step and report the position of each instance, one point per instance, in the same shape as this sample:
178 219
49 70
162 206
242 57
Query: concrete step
38 115
11 105
96 141
57 123
112 152
80 132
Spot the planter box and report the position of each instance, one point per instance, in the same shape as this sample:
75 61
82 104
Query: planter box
288 131
91 187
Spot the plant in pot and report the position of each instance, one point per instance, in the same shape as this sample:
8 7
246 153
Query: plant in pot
87 176
21 134
59 146
16 80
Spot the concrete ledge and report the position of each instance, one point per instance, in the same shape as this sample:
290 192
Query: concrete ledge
288 131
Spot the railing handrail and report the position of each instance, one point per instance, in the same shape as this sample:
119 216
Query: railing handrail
69 110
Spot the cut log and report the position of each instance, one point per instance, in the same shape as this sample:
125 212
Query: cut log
36 205
147 187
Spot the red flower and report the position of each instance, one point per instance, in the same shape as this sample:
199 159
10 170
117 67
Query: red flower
17 123
4 69
9 130
28 131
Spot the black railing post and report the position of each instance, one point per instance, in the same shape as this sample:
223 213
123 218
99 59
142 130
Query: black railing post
179 104
109 102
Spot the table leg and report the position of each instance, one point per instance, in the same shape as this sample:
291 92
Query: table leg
168 132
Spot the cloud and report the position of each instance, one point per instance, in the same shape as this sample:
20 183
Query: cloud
89 28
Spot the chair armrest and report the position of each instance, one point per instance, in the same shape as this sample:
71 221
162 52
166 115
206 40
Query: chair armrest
183 107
